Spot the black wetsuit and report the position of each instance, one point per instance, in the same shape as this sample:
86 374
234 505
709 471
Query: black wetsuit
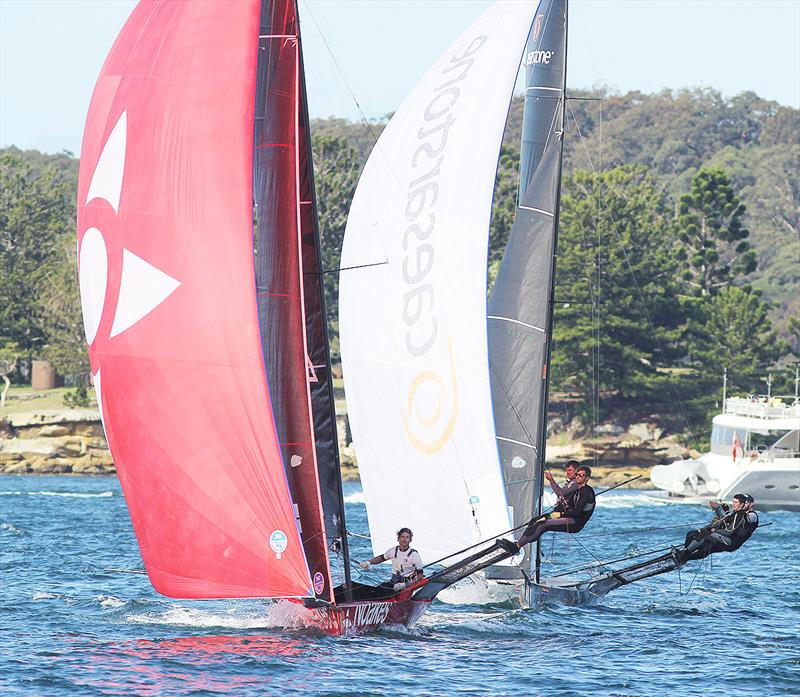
726 535
575 513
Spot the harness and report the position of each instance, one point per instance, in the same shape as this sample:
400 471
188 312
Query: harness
397 562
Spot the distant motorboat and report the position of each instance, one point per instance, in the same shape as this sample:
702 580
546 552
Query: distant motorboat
755 449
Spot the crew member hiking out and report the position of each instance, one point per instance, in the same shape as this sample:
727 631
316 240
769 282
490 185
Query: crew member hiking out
406 562
570 515
569 485
725 534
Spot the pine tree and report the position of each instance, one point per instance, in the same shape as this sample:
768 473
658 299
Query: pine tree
337 167
615 288
732 331
36 210
713 250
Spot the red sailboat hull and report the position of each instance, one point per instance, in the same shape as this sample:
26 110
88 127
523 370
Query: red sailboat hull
368 614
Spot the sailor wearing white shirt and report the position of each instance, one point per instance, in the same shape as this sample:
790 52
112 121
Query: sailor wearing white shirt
406 562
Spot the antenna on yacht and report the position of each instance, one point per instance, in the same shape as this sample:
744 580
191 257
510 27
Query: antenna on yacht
725 387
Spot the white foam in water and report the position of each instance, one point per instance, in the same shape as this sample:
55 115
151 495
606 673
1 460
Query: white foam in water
280 614
629 500
110 601
474 590
42 595
356 497
472 620
10 528
66 494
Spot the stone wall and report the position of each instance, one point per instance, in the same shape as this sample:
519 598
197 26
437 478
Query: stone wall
54 441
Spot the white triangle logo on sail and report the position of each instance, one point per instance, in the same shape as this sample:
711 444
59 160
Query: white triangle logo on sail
143 288
107 178
92 277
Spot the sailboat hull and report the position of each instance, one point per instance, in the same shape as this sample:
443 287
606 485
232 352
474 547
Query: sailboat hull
366 616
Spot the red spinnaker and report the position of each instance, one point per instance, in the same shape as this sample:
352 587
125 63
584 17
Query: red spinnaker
165 234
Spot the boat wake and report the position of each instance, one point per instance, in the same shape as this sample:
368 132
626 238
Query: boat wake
355 497
474 590
8 527
631 500
109 601
65 494
280 614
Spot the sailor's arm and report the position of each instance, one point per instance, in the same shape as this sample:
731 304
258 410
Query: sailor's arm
555 487
720 511
375 560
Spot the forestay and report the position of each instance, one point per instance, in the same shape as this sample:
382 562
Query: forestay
413 324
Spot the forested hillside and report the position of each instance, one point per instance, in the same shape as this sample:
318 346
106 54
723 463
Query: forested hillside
679 246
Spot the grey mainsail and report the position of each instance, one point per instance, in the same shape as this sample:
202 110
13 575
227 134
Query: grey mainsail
520 304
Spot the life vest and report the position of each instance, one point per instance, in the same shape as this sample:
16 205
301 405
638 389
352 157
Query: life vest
582 516
743 528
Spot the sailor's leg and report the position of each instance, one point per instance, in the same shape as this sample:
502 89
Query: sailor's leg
535 531
708 544
719 543
695 540
532 533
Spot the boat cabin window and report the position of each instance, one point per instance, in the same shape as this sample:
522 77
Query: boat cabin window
751 441
764 440
722 439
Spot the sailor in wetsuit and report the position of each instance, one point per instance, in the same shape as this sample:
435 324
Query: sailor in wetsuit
726 533
571 514
406 562
569 485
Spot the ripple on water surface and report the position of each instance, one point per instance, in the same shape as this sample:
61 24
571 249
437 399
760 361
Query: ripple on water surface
76 628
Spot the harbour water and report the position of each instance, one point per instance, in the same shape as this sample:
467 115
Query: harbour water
69 626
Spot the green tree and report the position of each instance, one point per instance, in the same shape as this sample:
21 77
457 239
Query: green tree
35 212
614 286
58 301
337 166
714 250
732 330
504 207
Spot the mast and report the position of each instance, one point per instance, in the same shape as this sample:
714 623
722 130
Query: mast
551 304
322 397
289 291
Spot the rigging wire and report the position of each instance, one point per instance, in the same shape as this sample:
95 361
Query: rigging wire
364 119
640 294
612 561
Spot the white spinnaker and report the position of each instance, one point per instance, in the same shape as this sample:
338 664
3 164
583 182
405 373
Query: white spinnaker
413 325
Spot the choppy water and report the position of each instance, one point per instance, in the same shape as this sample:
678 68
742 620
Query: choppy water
68 627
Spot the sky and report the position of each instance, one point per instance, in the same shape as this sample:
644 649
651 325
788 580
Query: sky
363 56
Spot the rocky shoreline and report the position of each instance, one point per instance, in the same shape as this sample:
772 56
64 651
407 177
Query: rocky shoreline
71 442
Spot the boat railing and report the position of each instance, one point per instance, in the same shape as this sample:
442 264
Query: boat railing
777 453
761 407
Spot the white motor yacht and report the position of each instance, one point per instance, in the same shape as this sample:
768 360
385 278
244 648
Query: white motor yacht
755 449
